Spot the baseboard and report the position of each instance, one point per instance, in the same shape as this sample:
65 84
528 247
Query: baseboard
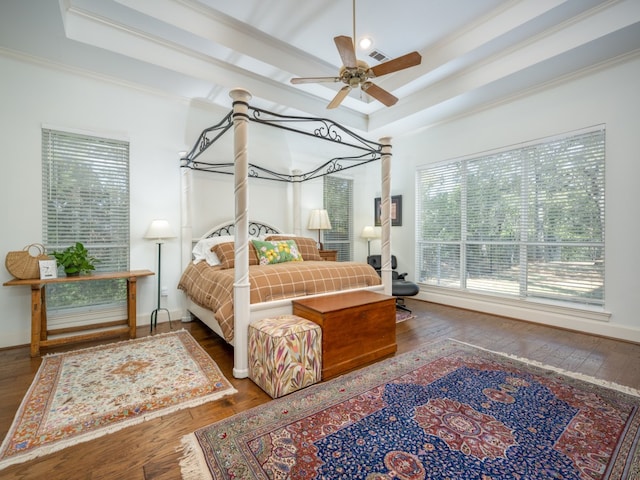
176 316
596 322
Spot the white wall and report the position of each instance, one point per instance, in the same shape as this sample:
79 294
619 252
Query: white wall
158 127
610 96
33 95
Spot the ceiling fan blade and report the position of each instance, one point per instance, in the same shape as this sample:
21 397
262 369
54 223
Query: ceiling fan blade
405 61
337 100
346 50
296 81
379 94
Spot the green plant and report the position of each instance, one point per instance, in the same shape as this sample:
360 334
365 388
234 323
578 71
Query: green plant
75 259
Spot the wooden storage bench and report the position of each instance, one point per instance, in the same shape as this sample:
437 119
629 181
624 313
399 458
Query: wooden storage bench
357 328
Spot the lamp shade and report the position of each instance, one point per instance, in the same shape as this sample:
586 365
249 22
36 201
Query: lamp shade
319 220
369 232
159 229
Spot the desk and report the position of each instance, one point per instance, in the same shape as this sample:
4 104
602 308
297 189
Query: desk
40 334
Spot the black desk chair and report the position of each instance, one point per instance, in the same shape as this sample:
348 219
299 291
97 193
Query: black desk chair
400 287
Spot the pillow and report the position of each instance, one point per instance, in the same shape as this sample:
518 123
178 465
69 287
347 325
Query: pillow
227 254
203 249
307 247
278 251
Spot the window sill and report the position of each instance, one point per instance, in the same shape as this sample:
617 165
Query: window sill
515 308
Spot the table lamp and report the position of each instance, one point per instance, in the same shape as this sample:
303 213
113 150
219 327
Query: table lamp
319 220
159 230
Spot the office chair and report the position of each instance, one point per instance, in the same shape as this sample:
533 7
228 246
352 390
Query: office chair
400 286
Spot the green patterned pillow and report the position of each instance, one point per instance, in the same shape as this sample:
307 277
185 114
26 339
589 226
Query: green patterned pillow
307 247
277 251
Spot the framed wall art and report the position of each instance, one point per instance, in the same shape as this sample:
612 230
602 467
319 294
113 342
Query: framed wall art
396 210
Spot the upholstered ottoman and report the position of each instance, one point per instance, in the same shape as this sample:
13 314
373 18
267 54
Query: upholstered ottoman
284 354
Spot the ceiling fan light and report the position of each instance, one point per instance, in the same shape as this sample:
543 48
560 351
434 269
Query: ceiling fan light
365 43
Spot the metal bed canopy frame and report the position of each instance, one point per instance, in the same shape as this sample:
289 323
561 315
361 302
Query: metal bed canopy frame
367 151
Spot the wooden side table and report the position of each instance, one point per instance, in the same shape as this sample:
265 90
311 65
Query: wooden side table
39 332
329 255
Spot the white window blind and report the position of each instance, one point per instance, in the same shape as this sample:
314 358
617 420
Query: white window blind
338 201
525 222
85 195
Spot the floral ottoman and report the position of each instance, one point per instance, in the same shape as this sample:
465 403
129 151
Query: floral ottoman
285 354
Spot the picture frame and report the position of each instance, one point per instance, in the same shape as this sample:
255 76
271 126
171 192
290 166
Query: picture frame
48 269
396 210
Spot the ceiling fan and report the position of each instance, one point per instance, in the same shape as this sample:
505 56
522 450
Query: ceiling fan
356 73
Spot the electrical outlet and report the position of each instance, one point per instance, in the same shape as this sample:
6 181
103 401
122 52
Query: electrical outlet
164 292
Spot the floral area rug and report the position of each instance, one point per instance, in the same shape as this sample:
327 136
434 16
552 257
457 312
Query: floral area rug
80 395
446 411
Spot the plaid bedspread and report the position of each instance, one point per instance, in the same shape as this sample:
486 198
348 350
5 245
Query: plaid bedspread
212 287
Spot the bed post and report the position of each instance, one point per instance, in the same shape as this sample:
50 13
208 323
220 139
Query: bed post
241 286
297 223
186 183
385 214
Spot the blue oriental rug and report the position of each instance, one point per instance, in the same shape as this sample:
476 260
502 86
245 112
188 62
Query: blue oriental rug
446 411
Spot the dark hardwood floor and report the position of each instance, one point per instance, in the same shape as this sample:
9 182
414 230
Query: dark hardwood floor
149 450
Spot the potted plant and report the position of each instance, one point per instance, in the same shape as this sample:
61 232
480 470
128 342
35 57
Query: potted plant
75 260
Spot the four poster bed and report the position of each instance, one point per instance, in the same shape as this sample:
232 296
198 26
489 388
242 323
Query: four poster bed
232 281
209 282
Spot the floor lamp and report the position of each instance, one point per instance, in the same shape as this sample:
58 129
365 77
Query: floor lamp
369 232
159 230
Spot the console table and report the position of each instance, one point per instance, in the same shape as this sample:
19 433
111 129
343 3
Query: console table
39 332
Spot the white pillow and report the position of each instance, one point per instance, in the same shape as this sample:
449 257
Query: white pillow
202 249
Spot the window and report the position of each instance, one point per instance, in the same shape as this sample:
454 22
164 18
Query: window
85 198
338 201
525 222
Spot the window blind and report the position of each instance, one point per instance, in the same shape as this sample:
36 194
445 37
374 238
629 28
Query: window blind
85 185
525 222
338 201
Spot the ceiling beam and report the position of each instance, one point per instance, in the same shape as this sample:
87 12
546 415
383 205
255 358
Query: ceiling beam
207 23
589 28
98 31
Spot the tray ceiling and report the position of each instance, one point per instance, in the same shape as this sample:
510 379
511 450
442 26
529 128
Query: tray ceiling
473 52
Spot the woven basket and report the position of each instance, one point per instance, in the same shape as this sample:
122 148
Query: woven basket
23 264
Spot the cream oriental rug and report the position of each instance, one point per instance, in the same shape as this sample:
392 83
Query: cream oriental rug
81 395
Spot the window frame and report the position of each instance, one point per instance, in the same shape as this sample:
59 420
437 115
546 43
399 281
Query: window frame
340 237
447 243
92 209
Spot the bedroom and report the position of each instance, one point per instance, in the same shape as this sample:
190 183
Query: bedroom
160 125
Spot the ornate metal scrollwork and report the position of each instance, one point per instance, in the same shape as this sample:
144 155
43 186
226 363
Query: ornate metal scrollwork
207 138
255 230
321 128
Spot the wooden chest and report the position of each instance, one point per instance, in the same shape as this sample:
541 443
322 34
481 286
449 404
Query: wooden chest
357 328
